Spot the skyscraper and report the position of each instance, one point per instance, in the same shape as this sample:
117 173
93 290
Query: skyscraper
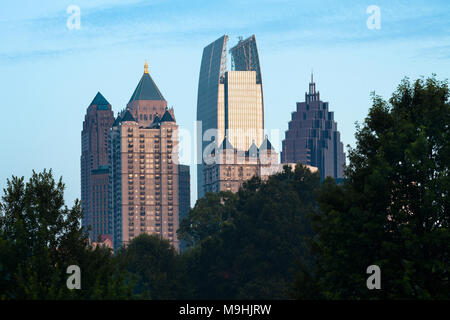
184 195
230 102
95 166
144 167
312 137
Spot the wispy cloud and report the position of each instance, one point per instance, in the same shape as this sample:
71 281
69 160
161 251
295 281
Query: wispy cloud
170 23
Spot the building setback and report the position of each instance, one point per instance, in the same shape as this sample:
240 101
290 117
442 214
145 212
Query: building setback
230 102
312 137
95 166
144 167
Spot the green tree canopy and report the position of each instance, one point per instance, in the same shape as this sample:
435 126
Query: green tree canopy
157 268
247 245
393 208
40 237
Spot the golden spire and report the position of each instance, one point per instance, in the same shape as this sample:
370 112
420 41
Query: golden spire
146 67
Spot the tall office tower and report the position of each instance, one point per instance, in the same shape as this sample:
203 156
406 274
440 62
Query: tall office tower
144 168
312 137
184 195
230 102
94 167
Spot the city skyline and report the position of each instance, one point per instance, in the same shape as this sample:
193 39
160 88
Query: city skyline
65 68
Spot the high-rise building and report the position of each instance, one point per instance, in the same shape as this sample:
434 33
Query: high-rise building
312 137
184 195
229 102
95 167
144 167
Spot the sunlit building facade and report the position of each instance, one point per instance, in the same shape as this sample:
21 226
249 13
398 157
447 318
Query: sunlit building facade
144 168
227 168
243 109
229 102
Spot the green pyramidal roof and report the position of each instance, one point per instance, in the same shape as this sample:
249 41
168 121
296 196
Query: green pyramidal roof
127 116
146 90
99 100
167 117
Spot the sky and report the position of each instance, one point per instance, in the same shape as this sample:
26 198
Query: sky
50 70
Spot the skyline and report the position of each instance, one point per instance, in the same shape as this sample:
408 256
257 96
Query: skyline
54 74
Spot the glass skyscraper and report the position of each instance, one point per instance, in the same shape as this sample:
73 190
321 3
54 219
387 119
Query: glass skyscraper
231 102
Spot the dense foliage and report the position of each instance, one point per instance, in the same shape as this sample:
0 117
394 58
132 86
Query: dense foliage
40 237
248 244
156 267
393 208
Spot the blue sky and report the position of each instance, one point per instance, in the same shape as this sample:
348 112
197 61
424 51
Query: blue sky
49 74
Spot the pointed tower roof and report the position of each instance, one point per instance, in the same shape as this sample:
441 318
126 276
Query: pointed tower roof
117 121
266 145
167 117
156 122
99 100
128 116
146 88
253 150
312 85
226 144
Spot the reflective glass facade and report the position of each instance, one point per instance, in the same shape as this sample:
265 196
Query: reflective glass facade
243 107
229 101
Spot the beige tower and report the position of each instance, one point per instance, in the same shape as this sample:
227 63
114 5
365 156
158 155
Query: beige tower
244 109
144 168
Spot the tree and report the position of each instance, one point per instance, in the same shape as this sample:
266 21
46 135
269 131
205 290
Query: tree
247 245
208 217
40 237
393 208
157 268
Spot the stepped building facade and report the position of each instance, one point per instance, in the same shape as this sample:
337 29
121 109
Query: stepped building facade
312 137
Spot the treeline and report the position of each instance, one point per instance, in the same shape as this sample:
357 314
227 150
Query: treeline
291 237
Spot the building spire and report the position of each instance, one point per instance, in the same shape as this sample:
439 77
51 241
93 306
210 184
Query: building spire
146 67
312 85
